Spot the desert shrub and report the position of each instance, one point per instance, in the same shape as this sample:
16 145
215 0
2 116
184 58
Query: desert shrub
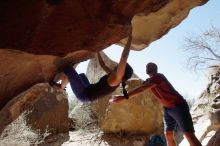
19 133
81 114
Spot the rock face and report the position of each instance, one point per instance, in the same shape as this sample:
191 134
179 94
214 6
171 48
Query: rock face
214 81
52 26
48 109
215 112
140 114
206 112
19 71
150 27
205 121
215 140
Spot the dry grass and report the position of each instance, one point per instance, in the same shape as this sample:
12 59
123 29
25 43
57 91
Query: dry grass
82 115
19 134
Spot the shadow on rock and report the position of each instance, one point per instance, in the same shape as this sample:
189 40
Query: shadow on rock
56 140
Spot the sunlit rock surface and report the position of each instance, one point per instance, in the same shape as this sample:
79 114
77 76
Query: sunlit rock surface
140 114
47 108
206 113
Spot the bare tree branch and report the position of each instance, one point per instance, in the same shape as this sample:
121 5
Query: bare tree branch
203 48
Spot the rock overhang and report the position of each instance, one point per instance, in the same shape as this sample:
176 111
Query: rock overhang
60 27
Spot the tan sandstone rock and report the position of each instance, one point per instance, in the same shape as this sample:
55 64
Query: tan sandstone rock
48 109
205 115
215 140
139 114
47 27
20 70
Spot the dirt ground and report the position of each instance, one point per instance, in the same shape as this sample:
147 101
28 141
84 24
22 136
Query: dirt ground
95 138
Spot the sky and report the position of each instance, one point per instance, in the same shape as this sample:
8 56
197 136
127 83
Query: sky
168 52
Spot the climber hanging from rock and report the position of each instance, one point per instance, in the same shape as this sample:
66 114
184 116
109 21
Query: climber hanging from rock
85 91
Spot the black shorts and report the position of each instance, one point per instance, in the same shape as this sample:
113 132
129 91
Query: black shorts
178 116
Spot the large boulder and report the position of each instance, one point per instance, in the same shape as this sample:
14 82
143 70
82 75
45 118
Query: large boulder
58 27
20 70
140 114
47 108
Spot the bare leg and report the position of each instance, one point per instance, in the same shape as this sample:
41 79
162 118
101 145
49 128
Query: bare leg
64 82
170 138
63 78
192 139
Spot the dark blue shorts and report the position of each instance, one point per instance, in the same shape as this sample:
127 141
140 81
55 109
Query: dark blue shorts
178 116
